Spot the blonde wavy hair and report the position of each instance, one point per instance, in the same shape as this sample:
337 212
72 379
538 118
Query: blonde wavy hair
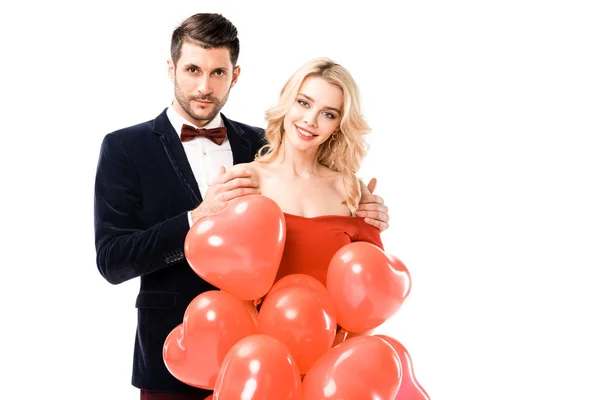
345 149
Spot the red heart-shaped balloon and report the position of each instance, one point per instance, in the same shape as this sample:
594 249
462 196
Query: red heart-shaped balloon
213 322
361 368
367 286
296 317
410 388
258 367
239 248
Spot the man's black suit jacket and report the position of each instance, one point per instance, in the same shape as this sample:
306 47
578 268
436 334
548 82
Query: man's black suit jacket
144 188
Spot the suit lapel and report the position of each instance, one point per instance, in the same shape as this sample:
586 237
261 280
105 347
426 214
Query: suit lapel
240 145
176 154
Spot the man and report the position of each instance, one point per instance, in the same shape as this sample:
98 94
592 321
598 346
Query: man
152 184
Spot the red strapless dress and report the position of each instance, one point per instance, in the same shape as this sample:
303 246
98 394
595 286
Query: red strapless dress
311 242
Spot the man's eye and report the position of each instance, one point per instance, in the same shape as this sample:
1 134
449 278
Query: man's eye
192 69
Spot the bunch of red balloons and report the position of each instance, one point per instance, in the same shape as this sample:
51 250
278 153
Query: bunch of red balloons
294 347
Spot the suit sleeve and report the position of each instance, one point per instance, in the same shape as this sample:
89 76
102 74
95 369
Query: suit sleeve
125 247
368 233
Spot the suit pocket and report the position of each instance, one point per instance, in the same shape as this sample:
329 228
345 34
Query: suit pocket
156 300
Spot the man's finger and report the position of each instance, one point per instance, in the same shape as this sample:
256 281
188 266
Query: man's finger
220 176
236 183
364 190
372 184
371 198
372 207
382 226
233 194
374 215
232 174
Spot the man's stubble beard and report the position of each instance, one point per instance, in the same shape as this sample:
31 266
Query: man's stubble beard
185 104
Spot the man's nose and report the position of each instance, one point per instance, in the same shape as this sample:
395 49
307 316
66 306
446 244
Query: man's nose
204 85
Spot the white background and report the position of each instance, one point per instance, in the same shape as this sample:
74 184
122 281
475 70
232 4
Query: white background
486 122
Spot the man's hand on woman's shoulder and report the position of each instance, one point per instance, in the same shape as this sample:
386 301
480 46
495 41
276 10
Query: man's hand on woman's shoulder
230 184
372 207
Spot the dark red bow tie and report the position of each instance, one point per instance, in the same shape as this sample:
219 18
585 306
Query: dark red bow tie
217 135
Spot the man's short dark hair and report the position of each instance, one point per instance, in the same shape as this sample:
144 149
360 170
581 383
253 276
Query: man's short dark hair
209 31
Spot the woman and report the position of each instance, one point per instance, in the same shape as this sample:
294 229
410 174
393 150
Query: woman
314 148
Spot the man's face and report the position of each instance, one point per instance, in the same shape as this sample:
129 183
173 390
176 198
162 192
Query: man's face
202 80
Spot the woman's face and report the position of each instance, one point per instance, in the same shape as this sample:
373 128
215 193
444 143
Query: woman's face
315 114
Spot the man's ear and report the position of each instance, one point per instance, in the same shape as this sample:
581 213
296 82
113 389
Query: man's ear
171 70
236 74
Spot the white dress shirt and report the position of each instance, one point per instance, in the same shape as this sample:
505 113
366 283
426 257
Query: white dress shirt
205 156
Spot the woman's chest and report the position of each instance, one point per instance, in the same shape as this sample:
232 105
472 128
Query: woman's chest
308 198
